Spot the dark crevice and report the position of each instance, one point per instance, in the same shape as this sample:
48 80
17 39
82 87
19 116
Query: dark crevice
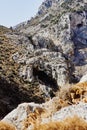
42 77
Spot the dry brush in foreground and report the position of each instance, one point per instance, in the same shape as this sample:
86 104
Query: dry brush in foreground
74 123
6 126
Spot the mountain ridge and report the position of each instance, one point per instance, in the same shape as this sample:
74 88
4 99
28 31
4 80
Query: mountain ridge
42 59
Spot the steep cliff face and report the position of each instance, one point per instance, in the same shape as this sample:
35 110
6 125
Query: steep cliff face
65 23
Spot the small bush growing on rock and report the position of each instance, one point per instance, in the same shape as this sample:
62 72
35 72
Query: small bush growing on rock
78 92
34 117
73 94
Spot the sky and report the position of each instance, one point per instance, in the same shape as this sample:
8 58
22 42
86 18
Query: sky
13 12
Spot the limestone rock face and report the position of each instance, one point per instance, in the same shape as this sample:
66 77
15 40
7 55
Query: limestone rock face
34 70
46 61
18 116
45 5
83 78
26 73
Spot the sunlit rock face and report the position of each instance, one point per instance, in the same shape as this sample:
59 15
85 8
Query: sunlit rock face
27 115
45 5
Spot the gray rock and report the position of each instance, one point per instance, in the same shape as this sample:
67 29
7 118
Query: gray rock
80 110
44 42
26 73
50 64
18 115
21 113
47 46
83 78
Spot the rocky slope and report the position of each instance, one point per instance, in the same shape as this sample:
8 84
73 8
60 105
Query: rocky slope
29 115
22 119
41 57
64 22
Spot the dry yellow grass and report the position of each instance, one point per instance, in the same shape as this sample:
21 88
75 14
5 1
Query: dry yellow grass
6 126
73 94
34 117
78 92
74 123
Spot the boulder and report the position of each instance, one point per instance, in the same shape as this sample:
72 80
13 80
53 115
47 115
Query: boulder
25 115
83 78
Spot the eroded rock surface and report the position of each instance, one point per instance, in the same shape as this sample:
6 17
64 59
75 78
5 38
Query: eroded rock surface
18 116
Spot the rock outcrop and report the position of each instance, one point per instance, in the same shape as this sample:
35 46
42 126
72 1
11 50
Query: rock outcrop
70 101
42 56
28 115
35 68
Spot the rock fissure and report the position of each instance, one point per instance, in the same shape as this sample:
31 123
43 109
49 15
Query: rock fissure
45 79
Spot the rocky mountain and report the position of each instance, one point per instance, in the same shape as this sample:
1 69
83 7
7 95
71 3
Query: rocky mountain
41 60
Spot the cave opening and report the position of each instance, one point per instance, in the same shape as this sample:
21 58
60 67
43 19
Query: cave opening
43 78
